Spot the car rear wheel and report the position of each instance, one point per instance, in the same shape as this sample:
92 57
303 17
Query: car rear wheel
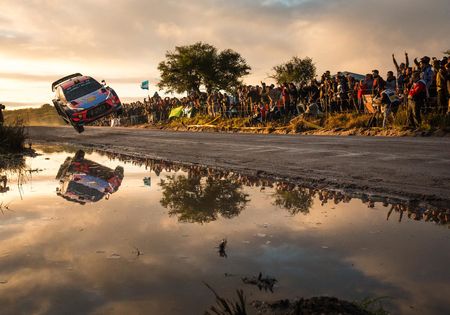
78 128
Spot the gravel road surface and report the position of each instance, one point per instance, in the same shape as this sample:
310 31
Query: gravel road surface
407 167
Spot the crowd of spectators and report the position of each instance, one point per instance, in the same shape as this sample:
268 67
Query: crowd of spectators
420 88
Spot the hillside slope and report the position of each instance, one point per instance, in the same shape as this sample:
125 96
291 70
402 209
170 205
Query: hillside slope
45 115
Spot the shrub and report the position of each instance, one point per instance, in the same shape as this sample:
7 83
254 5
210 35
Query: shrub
12 137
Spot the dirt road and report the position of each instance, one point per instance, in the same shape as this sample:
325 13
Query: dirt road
408 167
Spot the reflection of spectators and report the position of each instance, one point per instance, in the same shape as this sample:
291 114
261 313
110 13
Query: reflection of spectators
3 184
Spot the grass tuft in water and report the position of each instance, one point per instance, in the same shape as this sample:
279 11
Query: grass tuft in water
373 305
12 137
227 307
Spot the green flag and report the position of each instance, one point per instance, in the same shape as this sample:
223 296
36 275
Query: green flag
176 112
144 85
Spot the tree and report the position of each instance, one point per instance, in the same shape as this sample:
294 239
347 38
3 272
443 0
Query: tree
447 52
199 199
295 70
191 67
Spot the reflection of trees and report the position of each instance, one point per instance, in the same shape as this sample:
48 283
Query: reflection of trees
297 200
11 163
294 198
197 199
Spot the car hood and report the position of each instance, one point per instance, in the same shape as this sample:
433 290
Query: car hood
89 100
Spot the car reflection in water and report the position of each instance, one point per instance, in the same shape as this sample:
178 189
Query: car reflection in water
82 180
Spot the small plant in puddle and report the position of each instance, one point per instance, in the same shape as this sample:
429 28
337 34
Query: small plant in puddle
227 307
137 252
4 207
222 246
265 283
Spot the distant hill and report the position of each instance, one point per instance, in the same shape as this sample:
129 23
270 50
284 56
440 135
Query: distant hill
45 115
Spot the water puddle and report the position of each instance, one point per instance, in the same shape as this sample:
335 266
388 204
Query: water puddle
92 232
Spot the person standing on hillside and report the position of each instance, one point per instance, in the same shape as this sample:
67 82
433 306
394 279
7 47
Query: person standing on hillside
2 120
441 89
378 83
416 100
426 71
391 81
447 67
402 66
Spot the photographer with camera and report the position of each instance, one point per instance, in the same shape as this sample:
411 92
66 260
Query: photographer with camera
2 107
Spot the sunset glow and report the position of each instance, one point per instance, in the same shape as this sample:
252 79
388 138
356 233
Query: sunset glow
123 42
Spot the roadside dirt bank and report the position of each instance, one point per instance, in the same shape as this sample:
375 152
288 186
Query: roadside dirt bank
344 125
372 132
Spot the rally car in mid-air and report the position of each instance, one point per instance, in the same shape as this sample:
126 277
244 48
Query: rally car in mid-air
81 100
85 181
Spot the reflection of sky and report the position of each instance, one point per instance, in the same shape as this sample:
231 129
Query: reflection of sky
58 256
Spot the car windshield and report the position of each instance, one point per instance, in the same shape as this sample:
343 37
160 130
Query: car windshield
83 88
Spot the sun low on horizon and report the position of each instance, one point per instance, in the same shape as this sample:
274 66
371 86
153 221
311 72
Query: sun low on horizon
123 42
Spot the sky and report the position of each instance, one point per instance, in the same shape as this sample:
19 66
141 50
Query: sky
123 41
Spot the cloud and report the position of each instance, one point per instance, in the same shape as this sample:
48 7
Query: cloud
48 78
129 38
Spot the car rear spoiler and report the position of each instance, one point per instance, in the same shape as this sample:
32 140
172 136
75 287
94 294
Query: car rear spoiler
54 84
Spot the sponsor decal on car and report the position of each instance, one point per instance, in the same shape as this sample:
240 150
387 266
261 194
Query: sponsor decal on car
91 98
